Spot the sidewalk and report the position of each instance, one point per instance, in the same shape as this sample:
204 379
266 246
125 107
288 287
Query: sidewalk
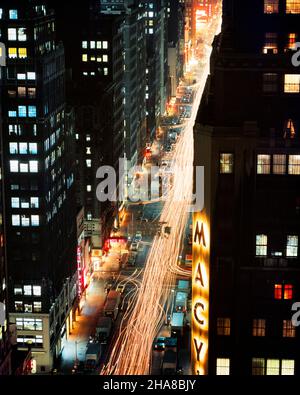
84 326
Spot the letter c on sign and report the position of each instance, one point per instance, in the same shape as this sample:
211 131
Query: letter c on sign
196 307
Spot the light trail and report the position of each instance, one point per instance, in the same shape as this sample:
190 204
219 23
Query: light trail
132 348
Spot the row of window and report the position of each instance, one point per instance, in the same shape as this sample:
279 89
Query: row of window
95 44
272 7
12 14
23 112
260 367
28 290
23 167
279 164
17 53
271 42
25 220
23 148
271 83
93 73
20 130
32 202
29 324
17 34
36 307
99 59
34 341
22 92
258 327
291 246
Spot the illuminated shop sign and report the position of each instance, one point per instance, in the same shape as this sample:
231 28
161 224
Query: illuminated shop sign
200 302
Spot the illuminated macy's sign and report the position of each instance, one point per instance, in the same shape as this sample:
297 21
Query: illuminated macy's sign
200 303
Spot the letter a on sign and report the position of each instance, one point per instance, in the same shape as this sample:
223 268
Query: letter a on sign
199 234
199 276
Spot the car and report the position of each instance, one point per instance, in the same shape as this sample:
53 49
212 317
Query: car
131 260
138 236
134 246
120 288
159 344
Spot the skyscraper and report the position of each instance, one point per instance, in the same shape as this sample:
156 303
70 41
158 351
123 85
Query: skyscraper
247 137
38 182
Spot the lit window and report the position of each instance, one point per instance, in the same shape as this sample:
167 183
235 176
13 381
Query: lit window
294 164
271 6
150 31
270 46
27 308
31 93
18 291
105 58
223 367
33 165
92 44
12 53
288 292
35 220
37 306
24 167
292 246
279 164
93 58
34 202
104 44
31 75
21 34
32 111
223 326
22 112
12 114
278 291
99 45
18 306
288 329
292 39
261 245
105 71
259 327
270 83
25 221
14 166
12 34
15 202
84 58
292 6
89 188
21 91
287 367
22 53
292 83
273 367
263 164
21 76
226 163
99 59
37 291
13 148
23 147
33 148
27 290
84 44
13 14
258 366
15 220
88 137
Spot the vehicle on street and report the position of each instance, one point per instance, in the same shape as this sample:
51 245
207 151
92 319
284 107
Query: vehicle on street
169 363
134 246
103 329
120 288
92 356
177 324
181 301
132 258
159 344
111 307
138 237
